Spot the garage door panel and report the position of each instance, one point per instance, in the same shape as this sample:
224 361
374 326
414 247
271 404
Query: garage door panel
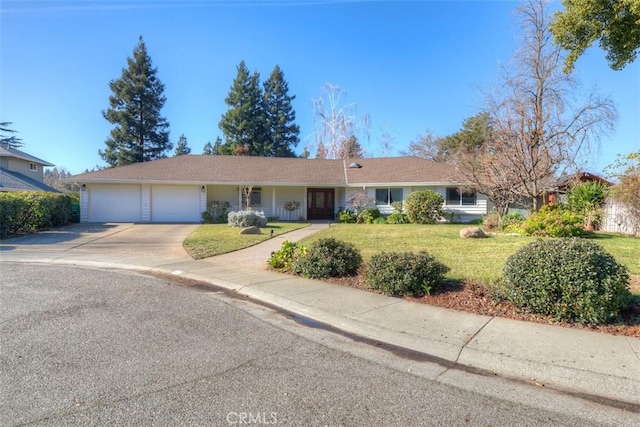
115 203
174 203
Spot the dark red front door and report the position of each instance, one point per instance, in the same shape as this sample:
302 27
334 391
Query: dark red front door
320 203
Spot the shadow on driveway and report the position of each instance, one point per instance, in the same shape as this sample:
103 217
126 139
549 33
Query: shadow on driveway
107 238
59 235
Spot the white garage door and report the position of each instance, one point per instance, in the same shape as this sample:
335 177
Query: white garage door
114 203
175 203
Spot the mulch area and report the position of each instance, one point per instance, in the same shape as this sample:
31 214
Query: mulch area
479 299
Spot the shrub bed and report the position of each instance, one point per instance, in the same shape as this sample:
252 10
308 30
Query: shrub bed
29 211
554 221
572 280
405 273
286 255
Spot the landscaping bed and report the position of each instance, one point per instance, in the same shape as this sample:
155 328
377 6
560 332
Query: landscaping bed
479 299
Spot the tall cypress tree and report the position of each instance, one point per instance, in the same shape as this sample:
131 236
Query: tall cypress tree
280 116
140 134
243 124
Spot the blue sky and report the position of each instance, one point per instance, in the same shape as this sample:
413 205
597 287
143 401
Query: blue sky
409 65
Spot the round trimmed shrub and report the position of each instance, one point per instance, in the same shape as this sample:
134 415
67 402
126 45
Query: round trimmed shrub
405 273
424 207
572 279
328 258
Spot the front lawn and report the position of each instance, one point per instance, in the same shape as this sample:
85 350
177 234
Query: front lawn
474 259
216 239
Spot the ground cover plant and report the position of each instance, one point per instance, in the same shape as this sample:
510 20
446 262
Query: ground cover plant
215 239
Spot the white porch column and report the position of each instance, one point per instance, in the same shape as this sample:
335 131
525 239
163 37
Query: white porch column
273 201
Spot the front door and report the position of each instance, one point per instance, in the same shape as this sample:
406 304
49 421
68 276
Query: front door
320 203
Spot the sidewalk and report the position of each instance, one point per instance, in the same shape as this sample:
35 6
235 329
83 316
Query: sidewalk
581 362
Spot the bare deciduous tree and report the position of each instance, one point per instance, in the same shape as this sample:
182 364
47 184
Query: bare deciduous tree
537 130
386 141
425 145
336 122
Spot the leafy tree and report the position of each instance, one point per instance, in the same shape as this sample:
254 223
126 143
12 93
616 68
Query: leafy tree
536 134
244 123
182 147
53 178
614 23
336 122
217 146
207 150
140 133
280 115
475 132
7 137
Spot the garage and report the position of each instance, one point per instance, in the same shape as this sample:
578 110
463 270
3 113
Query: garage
175 203
115 203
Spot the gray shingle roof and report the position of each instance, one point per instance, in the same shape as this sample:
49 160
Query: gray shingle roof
275 171
14 181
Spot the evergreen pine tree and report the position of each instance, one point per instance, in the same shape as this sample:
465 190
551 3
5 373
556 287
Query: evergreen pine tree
243 125
140 134
11 141
280 115
217 146
207 150
182 147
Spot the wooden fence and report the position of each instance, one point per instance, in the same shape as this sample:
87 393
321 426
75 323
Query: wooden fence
617 218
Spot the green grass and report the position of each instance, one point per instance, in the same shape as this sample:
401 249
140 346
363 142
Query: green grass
476 259
215 239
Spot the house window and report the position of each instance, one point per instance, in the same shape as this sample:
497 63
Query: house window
456 196
256 197
33 167
386 196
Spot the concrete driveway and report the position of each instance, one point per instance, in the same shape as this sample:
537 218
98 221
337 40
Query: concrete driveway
162 240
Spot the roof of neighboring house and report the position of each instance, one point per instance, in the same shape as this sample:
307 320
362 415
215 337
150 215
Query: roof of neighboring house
14 181
276 171
5 151
565 182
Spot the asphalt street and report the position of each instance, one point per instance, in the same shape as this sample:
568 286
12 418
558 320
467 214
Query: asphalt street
82 346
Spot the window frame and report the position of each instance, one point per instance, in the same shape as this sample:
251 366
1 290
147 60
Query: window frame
463 198
33 167
389 199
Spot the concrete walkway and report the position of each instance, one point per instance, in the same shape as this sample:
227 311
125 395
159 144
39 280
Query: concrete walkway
595 365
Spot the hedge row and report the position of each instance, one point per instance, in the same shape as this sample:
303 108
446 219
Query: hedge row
29 211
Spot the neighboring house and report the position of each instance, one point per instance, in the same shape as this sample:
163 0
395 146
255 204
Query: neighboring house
20 171
565 184
179 189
